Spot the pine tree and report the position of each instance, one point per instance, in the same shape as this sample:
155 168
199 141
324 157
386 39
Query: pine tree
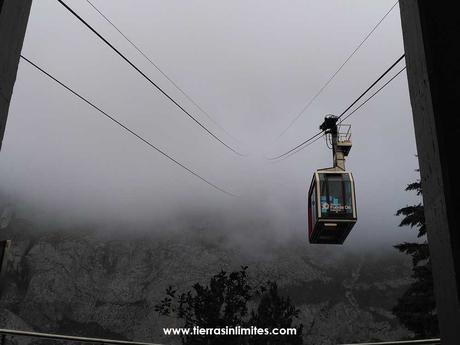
416 308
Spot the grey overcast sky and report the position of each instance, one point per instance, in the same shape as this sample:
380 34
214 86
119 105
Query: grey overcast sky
252 65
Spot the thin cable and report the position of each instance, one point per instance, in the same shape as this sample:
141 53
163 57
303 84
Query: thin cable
355 110
301 148
343 113
310 102
125 127
373 84
139 50
368 99
295 148
145 76
375 93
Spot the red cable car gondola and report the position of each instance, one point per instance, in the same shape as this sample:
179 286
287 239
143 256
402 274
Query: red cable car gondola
331 197
331 206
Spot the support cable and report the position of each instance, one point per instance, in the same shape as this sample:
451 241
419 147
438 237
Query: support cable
319 134
110 117
375 93
303 147
145 76
300 146
310 102
140 51
373 84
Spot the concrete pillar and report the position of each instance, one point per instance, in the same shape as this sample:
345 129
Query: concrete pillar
431 31
14 15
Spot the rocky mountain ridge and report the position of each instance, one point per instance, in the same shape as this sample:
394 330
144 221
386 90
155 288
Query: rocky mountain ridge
80 283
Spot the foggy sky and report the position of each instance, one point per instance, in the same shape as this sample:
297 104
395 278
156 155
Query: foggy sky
252 65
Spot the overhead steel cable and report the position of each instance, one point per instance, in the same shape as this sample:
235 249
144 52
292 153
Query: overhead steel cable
373 84
126 128
375 93
344 112
354 111
298 146
145 76
310 102
140 51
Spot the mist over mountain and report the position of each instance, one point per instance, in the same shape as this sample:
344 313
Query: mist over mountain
91 280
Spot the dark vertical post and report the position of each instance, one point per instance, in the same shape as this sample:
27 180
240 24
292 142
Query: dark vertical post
4 248
431 32
14 15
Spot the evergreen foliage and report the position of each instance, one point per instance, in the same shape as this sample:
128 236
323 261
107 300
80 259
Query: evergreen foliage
416 308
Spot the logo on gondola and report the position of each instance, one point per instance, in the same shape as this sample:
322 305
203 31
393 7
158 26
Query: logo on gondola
325 206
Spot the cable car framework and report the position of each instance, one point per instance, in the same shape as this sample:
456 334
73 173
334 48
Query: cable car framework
331 196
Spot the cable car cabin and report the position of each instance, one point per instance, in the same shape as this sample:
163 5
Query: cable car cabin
331 206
